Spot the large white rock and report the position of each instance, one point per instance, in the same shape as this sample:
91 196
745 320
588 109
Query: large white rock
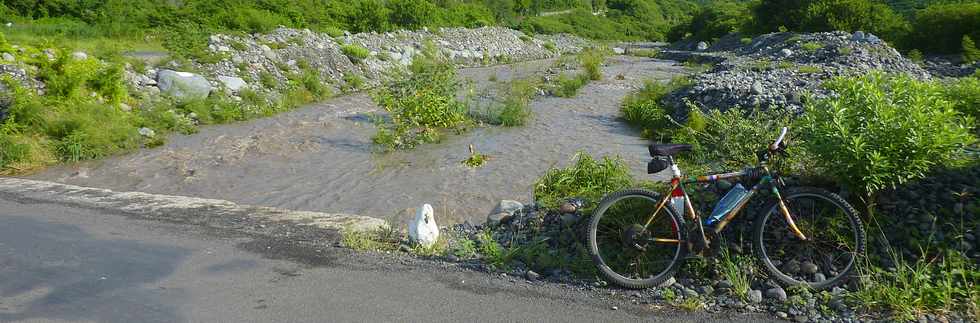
183 85
423 229
232 83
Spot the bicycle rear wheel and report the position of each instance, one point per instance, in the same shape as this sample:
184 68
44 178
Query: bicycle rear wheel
835 239
626 252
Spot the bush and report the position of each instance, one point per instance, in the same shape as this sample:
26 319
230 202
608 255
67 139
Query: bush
970 51
715 20
568 86
964 93
643 109
881 131
592 60
586 178
355 52
420 103
939 28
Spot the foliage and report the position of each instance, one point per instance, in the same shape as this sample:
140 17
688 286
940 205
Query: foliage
970 51
586 178
733 269
476 159
915 55
880 131
940 27
355 52
643 109
929 285
420 103
714 20
592 60
567 86
964 93
382 239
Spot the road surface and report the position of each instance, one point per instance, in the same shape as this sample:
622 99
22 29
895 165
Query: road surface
62 263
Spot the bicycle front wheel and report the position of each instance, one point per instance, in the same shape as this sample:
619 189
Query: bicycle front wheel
628 247
834 234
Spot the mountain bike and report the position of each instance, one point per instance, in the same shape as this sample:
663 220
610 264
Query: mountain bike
804 236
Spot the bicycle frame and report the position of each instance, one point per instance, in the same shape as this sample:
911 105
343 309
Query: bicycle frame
677 184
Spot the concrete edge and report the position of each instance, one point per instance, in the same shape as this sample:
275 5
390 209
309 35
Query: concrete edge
209 212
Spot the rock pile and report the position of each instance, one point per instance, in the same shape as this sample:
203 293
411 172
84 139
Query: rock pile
777 70
265 62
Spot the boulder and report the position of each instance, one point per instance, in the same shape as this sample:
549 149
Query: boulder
423 229
777 293
147 132
702 46
232 83
81 56
183 85
507 206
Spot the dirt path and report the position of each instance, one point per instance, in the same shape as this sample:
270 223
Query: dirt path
320 157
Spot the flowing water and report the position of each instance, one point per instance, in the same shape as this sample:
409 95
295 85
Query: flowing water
321 158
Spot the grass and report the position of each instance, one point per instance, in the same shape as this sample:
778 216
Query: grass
642 109
356 53
514 111
592 60
931 285
691 304
733 268
549 45
352 82
385 238
586 178
809 69
568 86
811 46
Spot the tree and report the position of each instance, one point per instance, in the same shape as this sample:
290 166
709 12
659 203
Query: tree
970 51
412 14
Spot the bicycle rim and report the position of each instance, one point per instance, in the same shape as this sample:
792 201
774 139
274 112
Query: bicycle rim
625 252
834 240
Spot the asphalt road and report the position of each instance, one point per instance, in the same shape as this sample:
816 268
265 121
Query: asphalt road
60 263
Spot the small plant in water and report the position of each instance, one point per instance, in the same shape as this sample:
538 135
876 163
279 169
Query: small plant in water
476 159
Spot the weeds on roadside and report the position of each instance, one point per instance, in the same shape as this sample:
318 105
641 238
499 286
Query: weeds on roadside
733 268
587 178
385 238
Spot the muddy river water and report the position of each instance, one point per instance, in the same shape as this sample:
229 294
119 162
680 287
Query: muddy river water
321 158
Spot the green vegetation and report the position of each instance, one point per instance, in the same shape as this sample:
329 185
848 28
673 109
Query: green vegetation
643 109
420 104
567 86
931 285
587 178
733 268
882 131
970 51
714 20
592 60
386 238
476 159
811 46
809 69
355 52
915 55
514 110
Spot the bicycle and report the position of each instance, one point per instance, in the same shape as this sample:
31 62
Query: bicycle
807 236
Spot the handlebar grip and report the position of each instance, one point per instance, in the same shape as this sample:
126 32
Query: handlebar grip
782 134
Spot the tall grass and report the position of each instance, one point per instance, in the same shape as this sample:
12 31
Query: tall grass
586 177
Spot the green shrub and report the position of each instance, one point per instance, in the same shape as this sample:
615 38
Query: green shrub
549 45
729 140
970 51
268 80
568 86
355 52
717 19
592 60
915 55
940 27
811 46
353 82
643 109
586 178
420 103
941 285
964 93
881 131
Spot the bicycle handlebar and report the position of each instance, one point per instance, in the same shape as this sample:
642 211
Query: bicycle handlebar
782 134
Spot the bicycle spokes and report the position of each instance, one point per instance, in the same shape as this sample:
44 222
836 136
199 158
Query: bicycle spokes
627 247
830 245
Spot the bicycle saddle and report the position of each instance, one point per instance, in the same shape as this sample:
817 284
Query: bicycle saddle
668 149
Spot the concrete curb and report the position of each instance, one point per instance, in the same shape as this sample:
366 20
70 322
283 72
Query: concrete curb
208 212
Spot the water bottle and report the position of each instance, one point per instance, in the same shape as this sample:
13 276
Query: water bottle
727 203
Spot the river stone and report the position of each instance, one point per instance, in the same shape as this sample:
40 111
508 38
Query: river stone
757 87
858 36
755 296
809 268
8 57
507 206
183 85
619 50
531 275
232 83
777 293
147 132
496 219
81 56
702 46
786 52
